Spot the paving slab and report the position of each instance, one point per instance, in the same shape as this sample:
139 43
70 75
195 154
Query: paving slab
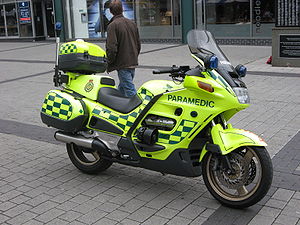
39 184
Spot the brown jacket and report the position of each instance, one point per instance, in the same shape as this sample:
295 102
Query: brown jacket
122 44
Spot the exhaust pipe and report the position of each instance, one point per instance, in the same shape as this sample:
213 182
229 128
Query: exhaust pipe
76 139
89 144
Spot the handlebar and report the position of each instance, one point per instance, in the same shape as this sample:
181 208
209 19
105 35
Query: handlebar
174 70
168 70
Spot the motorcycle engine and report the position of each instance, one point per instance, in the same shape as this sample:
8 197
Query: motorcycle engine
159 122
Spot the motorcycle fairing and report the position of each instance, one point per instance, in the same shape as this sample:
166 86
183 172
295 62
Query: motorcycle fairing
230 139
192 100
184 128
157 87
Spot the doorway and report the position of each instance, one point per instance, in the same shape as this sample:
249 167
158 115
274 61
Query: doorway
38 19
43 11
50 19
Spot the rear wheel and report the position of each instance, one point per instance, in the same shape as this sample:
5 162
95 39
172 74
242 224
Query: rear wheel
91 163
247 183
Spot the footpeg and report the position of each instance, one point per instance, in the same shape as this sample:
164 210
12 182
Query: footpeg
115 153
125 156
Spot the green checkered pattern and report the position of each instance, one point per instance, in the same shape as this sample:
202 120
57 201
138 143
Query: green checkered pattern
182 131
56 106
68 49
146 95
124 121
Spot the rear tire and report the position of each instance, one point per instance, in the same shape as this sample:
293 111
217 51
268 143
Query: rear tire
250 182
90 163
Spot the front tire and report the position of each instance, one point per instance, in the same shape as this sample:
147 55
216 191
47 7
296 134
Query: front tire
250 182
90 163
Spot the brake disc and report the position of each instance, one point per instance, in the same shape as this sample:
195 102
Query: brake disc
240 177
252 169
252 172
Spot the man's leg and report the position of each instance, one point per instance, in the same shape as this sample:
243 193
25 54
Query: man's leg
126 86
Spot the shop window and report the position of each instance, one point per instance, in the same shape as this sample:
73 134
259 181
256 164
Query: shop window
99 16
155 18
228 18
158 19
11 19
235 18
2 22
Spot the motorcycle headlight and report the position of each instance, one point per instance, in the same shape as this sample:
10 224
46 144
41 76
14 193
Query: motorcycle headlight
242 95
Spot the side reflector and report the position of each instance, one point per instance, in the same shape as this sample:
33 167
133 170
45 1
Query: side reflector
205 86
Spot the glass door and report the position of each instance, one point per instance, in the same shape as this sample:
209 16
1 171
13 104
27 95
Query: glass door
50 18
2 22
38 18
11 19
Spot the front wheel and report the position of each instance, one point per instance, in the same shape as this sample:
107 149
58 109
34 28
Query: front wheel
90 163
248 181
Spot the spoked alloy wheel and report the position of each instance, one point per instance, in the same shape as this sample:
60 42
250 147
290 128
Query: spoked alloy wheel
91 163
247 184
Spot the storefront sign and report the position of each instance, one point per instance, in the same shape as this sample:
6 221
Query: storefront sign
289 46
24 12
257 16
287 13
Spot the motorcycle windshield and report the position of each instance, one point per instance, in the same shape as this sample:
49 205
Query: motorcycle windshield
202 41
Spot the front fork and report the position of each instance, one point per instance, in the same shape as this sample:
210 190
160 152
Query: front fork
222 161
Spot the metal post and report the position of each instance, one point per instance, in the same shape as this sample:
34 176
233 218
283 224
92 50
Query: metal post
17 16
44 19
5 25
187 17
32 18
251 18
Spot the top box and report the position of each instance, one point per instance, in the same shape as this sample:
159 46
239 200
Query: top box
82 57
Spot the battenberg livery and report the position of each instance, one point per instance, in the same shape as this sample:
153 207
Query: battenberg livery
179 126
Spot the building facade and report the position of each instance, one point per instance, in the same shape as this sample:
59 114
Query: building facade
156 19
26 19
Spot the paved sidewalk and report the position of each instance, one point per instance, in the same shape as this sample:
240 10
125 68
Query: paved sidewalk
39 184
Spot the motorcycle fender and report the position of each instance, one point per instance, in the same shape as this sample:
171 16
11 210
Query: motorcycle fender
231 139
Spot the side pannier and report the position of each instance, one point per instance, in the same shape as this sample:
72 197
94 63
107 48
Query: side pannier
64 111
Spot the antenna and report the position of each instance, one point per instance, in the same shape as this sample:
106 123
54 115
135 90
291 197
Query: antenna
58 27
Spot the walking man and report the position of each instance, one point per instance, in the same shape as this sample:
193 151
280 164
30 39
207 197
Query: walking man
122 47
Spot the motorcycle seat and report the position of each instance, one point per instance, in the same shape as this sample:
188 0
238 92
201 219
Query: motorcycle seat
113 99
